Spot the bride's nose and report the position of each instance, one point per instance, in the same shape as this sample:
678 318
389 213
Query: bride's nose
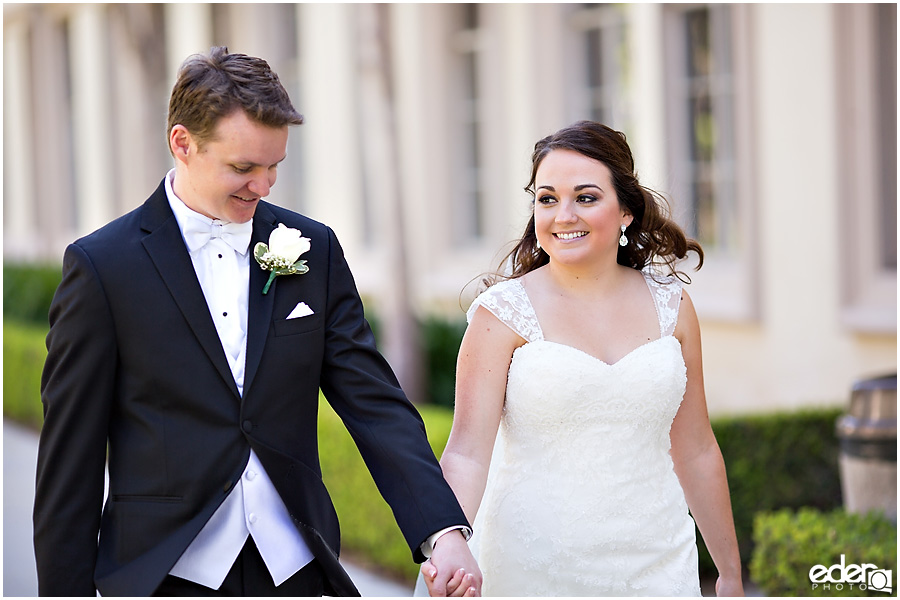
565 213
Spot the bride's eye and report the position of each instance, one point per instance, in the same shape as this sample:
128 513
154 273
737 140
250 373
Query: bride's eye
546 199
587 198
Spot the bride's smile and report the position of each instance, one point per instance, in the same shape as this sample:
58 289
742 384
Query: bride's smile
570 236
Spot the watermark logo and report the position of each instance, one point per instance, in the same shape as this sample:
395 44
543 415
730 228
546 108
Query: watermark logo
862 577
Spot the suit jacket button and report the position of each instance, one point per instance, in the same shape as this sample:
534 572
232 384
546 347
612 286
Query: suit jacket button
226 487
247 426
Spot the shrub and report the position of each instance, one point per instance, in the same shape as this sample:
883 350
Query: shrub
789 544
442 339
24 352
781 460
28 291
368 530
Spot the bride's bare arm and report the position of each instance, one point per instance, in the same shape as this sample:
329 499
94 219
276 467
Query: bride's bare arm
481 371
699 464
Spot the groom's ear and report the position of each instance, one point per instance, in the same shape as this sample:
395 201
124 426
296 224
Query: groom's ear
180 142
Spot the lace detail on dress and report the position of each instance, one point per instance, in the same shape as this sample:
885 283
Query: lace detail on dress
508 302
667 298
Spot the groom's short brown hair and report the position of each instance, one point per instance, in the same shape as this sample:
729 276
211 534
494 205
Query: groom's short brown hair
212 86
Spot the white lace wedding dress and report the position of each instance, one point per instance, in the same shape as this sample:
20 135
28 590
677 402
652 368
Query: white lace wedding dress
582 498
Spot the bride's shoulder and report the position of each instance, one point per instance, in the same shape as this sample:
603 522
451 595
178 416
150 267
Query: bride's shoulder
665 284
503 290
508 302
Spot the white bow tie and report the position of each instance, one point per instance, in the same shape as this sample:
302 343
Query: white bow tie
197 234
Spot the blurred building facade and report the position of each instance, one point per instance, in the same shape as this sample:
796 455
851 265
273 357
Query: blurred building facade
771 128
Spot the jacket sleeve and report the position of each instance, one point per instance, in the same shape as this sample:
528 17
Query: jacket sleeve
77 389
390 434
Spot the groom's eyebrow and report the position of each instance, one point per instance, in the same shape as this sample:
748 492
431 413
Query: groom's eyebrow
250 163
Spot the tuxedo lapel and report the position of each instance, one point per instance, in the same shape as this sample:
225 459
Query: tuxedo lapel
260 305
166 248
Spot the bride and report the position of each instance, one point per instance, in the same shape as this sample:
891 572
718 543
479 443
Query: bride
587 361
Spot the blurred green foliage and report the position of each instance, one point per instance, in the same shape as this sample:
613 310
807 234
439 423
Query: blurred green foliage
779 460
28 291
24 353
789 544
442 339
369 532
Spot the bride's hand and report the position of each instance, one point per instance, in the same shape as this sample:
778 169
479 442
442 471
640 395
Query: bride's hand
460 585
452 570
729 587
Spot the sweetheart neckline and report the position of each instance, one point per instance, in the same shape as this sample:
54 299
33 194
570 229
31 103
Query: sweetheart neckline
591 356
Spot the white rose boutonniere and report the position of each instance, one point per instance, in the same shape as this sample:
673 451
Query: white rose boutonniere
280 255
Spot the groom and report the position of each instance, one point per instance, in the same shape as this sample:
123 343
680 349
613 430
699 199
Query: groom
168 362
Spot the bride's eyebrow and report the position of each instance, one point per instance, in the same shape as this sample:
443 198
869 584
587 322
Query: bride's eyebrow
577 188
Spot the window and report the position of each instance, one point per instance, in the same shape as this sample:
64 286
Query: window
709 138
468 214
866 54
605 63
706 99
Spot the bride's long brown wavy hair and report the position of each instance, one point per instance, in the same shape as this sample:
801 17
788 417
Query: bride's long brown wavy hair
652 236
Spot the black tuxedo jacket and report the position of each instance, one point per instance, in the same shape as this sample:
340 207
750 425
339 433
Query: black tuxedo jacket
136 375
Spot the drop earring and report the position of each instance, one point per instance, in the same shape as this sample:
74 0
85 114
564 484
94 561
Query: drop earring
623 241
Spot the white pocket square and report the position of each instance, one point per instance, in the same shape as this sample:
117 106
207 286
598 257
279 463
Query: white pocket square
301 310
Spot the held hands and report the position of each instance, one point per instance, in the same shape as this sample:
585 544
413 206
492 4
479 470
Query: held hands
452 570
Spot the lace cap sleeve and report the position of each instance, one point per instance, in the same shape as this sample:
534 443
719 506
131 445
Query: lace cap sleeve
666 292
508 302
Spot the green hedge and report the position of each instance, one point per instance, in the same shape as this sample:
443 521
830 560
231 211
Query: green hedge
24 352
441 339
28 290
789 544
370 534
780 460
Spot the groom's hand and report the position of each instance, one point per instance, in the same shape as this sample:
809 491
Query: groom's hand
452 570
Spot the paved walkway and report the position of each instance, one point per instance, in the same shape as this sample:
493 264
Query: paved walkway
19 575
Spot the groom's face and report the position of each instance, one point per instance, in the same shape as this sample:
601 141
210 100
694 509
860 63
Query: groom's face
226 176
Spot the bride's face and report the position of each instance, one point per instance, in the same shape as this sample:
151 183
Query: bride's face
577 216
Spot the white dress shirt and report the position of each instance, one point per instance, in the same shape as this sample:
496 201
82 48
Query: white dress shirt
253 507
